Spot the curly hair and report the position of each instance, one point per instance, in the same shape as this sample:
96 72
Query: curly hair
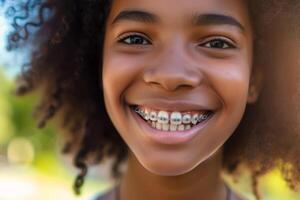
64 67
267 137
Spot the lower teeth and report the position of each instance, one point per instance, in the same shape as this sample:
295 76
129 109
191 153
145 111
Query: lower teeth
170 127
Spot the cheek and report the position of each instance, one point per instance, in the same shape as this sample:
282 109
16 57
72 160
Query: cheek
119 71
117 75
231 82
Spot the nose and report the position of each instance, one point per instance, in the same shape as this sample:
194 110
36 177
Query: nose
173 70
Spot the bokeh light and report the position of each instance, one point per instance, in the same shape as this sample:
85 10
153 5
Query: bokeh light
20 150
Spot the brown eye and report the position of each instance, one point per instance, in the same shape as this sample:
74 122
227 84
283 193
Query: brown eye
218 44
134 40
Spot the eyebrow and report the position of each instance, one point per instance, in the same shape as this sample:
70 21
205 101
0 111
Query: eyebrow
136 15
197 19
216 19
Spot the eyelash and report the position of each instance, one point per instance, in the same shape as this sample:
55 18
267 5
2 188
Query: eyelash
124 38
207 44
222 41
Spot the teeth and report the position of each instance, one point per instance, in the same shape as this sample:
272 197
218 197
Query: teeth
186 119
187 127
163 117
176 118
165 127
142 114
158 126
171 121
202 117
147 115
153 124
153 116
181 127
173 127
137 109
194 119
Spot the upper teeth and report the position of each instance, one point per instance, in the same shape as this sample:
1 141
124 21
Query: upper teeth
171 120
176 118
163 117
186 119
153 116
194 119
147 115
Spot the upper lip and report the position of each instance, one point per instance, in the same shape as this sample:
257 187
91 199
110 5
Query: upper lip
178 105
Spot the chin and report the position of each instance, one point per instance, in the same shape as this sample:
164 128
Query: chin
175 164
169 167
166 169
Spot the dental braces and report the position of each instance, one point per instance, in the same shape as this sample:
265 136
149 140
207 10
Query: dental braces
200 118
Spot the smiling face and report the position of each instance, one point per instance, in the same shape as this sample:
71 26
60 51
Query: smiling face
176 78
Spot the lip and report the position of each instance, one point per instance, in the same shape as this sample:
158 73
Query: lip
168 138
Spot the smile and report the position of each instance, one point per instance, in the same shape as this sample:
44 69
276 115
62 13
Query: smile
171 121
168 127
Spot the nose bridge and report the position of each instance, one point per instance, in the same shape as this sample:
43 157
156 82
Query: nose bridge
173 69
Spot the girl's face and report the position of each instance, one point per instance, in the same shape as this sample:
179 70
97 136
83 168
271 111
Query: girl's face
185 67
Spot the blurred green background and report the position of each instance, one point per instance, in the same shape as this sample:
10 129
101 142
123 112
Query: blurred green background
32 167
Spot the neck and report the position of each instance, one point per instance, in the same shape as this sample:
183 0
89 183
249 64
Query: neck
203 182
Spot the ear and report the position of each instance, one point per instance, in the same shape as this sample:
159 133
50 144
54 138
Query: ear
255 85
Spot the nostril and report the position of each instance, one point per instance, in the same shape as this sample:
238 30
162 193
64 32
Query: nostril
173 80
175 84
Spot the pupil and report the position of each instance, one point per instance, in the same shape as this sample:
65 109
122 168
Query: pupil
217 44
136 40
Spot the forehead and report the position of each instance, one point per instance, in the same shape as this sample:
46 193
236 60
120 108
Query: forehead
178 11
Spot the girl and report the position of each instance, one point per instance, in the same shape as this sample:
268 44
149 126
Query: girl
175 81
159 84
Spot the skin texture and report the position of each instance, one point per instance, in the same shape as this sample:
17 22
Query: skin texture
175 64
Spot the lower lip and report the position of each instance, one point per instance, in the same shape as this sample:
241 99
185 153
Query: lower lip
168 137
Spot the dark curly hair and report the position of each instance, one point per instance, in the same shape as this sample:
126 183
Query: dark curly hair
64 67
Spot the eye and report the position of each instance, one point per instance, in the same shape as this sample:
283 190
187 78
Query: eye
218 44
134 39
